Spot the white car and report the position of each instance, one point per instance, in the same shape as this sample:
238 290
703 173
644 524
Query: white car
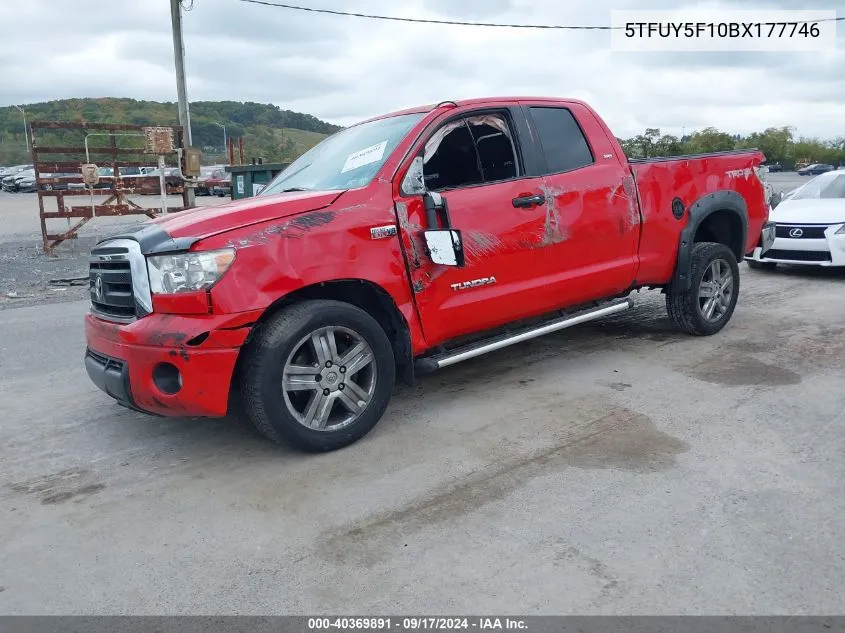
809 225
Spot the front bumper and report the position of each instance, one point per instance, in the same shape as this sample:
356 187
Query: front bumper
123 360
828 250
111 375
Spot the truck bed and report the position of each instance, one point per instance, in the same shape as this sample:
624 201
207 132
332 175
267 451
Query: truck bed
663 181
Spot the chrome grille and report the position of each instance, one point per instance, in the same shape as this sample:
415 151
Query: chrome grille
110 285
118 284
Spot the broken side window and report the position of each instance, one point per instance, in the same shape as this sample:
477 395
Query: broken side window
470 151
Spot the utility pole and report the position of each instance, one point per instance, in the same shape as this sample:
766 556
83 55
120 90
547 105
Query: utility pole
25 129
224 134
181 88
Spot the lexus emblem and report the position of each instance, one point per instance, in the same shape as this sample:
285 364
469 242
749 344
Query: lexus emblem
796 233
98 288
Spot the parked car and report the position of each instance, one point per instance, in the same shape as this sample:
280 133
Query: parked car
774 167
12 183
172 177
221 185
815 169
405 244
61 183
169 172
208 178
25 182
106 176
6 172
809 226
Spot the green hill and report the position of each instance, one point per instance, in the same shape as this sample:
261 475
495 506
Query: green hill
269 132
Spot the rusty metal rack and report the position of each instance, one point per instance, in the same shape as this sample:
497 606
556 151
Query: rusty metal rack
50 159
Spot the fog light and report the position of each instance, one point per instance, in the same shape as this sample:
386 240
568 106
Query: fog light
167 378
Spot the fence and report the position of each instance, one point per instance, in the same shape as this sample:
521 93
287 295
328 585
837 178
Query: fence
61 148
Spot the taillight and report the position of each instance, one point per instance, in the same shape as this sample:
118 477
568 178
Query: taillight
761 171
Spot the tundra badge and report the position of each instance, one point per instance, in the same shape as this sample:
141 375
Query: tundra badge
379 232
464 285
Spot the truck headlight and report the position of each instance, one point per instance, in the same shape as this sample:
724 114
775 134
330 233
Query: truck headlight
188 272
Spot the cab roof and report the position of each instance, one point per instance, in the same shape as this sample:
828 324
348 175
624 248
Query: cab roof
479 101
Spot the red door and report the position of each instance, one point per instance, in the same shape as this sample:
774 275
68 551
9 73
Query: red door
472 159
546 222
591 195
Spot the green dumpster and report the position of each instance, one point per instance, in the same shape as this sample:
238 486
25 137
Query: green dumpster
249 180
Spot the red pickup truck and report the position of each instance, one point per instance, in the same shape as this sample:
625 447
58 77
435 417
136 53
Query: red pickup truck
405 244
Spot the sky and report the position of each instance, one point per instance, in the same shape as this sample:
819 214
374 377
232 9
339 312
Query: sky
344 69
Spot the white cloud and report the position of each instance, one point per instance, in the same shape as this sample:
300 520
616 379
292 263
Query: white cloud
344 69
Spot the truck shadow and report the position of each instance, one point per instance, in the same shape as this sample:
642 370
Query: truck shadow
234 438
821 273
647 322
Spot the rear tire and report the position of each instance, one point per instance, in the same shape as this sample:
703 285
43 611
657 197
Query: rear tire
760 265
708 304
347 393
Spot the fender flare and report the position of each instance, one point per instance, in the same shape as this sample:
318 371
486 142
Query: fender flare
723 200
385 310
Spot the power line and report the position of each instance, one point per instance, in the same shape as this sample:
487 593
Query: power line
426 21
392 18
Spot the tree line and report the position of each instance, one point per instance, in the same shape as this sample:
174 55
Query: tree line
779 144
278 135
269 132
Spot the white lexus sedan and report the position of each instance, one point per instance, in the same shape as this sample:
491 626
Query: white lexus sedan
809 225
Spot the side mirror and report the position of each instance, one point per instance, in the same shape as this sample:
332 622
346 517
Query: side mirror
413 183
776 199
445 247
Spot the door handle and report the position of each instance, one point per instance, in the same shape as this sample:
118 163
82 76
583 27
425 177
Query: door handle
523 202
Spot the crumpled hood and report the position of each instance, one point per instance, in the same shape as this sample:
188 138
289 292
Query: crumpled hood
809 211
203 222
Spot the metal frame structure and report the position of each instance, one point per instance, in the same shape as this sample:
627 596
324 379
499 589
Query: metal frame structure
71 158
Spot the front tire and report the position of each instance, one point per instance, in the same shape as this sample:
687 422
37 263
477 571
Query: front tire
708 304
318 375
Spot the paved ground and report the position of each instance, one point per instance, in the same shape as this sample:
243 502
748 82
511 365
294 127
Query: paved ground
617 468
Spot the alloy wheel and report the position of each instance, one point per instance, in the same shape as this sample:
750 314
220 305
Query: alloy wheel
329 378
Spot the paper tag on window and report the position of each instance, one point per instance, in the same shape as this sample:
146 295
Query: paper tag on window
364 157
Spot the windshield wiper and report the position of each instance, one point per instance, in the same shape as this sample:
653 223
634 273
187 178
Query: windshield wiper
295 189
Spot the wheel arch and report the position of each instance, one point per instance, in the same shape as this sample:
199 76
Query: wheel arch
366 295
721 217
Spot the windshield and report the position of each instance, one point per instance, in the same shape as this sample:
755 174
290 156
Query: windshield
348 159
830 185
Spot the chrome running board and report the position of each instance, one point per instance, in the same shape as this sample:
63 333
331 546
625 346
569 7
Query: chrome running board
432 363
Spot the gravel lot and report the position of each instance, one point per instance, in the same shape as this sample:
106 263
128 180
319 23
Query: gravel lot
26 272
614 468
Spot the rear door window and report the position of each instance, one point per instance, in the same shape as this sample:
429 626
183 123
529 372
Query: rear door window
564 145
